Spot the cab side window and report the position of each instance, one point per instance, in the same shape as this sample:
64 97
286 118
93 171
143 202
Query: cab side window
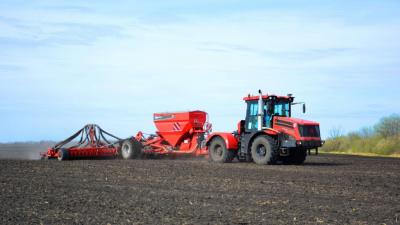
252 111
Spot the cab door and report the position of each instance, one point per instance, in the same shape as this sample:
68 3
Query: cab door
251 116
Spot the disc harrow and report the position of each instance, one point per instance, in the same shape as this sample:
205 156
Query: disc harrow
89 142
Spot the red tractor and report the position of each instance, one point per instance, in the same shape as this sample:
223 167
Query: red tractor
268 134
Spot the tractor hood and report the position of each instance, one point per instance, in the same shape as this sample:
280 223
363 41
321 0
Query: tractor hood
297 128
296 121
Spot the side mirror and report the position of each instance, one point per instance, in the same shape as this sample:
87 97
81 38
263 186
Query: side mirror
304 108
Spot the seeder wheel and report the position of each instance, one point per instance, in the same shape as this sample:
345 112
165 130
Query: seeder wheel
63 154
131 149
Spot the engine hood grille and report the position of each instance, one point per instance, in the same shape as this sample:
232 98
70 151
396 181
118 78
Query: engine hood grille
309 130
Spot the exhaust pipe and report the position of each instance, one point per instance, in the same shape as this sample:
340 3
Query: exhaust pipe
260 111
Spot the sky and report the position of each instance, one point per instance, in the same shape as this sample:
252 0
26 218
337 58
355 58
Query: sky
64 64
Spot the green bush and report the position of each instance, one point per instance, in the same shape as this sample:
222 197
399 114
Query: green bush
383 139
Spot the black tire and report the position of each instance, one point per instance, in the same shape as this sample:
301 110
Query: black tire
63 154
131 149
297 157
287 160
219 153
264 150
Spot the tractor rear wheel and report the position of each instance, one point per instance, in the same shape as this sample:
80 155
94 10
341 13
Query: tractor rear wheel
63 154
264 150
131 149
218 151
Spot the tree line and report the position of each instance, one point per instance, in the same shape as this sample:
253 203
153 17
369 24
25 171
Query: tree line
383 138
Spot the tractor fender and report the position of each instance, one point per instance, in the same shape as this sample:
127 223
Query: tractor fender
230 141
269 131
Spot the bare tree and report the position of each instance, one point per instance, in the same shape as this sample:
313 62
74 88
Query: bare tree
336 132
367 132
389 126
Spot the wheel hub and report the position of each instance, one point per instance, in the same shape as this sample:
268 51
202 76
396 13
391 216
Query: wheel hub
261 150
219 151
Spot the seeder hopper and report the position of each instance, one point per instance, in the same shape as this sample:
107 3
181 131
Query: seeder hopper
178 133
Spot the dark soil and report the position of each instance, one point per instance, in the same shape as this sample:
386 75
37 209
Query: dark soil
328 189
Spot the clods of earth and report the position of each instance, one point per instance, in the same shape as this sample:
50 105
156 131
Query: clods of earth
327 189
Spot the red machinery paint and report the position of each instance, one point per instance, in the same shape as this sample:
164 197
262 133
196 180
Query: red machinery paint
177 133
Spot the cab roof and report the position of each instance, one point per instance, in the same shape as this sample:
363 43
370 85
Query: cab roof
266 97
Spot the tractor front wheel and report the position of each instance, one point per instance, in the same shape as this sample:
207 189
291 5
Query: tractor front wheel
218 151
131 149
264 150
299 156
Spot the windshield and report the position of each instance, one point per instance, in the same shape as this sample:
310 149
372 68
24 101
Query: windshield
281 109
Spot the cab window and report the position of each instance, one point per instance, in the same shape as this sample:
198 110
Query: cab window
252 121
281 109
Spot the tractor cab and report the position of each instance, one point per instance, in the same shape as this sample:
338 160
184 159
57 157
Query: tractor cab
271 106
